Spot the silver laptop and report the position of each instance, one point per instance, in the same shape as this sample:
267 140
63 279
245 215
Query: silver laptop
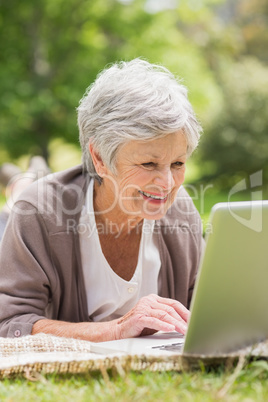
229 308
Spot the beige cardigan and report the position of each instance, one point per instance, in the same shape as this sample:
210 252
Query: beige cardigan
40 264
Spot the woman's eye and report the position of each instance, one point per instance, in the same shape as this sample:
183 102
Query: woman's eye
148 164
178 164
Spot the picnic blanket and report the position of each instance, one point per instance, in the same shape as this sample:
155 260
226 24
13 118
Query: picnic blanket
46 354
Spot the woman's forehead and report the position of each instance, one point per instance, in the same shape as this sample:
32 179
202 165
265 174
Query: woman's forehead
157 148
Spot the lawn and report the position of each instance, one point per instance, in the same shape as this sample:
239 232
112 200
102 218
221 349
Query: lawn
249 383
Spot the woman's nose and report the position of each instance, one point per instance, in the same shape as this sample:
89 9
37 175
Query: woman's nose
164 179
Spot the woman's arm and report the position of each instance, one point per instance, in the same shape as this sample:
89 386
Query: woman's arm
152 313
88 331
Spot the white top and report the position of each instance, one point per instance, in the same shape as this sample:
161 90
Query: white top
108 295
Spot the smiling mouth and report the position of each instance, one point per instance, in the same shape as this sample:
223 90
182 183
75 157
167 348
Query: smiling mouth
153 196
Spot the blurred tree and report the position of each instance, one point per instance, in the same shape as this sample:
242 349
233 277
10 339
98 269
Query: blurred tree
236 140
51 50
39 55
253 20
236 133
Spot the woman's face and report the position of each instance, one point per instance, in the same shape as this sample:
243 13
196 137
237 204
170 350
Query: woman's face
149 174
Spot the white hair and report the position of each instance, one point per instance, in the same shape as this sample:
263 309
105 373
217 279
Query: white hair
133 100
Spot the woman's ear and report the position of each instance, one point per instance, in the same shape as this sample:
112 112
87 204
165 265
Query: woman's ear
97 160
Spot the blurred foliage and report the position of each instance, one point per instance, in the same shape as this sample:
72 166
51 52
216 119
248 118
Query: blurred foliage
235 143
50 51
236 139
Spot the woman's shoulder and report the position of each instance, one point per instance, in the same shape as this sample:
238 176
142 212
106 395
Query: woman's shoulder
64 185
56 197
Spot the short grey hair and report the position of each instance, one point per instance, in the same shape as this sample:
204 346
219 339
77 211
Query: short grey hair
133 100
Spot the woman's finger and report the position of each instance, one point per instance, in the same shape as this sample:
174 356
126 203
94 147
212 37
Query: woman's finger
178 307
170 311
171 318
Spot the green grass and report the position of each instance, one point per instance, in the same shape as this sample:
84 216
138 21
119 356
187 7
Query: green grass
246 384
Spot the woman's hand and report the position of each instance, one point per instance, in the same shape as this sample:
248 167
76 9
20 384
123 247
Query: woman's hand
153 313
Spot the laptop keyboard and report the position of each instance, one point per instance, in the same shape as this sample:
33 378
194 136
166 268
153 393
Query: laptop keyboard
173 347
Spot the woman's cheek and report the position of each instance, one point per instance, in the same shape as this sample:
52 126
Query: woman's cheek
180 177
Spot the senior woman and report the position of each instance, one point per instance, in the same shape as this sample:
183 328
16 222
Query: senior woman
111 249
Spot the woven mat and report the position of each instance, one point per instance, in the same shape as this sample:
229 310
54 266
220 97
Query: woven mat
46 354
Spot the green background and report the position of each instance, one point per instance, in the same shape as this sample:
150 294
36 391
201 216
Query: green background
51 50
